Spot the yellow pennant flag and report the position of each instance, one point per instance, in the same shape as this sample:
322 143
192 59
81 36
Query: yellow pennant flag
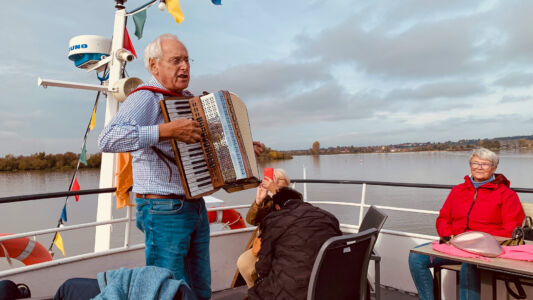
93 118
58 241
173 7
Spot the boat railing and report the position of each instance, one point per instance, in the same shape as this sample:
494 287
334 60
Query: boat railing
129 218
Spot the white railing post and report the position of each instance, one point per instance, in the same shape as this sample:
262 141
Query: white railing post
107 169
128 226
361 208
305 185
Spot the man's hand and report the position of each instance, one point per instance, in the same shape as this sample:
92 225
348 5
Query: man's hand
183 130
258 148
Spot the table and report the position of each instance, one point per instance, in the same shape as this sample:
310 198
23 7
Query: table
489 270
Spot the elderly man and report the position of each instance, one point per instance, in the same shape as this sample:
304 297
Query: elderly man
176 230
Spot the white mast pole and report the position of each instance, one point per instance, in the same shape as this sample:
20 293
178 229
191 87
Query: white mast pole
107 169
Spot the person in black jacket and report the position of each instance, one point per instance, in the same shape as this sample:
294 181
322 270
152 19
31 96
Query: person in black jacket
291 237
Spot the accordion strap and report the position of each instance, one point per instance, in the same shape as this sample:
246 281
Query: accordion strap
165 158
157 90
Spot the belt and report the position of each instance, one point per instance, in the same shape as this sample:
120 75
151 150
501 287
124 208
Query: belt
154 196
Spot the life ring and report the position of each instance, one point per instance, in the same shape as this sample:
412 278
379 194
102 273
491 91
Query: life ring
230 217
26 250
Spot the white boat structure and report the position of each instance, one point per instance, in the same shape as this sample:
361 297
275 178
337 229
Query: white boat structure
226 245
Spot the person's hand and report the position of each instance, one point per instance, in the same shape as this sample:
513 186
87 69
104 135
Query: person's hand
270 185
260 195
184 130
258 148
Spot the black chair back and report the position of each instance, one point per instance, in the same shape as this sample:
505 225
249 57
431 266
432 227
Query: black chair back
374 218
341 267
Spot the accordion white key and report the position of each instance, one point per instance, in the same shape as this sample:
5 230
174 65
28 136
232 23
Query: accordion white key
225 157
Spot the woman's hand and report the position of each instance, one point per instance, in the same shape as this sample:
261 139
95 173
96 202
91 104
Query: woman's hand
270 185
260 195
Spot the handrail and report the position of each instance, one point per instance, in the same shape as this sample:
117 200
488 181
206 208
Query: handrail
403 184
128 217
55 195
361 204
369 182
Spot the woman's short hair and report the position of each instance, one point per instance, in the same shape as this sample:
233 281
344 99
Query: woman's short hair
153 50
485 154
280 173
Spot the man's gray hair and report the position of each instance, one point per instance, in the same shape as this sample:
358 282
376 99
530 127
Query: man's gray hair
153 50
485 154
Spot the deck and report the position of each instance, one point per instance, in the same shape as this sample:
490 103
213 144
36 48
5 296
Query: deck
240 293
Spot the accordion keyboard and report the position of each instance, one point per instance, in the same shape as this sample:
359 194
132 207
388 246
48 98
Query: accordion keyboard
192 158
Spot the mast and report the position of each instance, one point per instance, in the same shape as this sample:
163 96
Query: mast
108 165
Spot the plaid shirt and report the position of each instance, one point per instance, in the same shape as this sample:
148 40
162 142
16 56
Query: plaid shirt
135 129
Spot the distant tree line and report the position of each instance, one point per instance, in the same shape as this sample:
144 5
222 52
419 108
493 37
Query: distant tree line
43 161
504 143
69 160
270 154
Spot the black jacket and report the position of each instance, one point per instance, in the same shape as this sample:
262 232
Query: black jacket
290 240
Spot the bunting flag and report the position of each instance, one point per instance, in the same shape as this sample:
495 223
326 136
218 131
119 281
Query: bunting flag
216 2
173 7
83 155
139 19
123 179
58 241
93 116
64 214
75 187
126 44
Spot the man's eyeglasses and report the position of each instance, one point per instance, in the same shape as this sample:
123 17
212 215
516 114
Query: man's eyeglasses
484 166
175 61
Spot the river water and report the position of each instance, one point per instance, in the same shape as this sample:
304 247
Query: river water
416 167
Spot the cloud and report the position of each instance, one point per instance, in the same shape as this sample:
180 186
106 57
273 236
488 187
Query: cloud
328 102
253 82
438 49
440 89
515 98
515 79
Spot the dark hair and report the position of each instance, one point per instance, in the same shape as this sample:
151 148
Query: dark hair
285 194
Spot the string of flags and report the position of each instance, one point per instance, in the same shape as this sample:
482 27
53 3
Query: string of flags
74 184
173 7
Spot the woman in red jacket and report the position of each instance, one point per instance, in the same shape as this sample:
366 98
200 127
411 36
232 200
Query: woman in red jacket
484 202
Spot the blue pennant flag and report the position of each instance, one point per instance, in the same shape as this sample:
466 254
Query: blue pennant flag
64 213
83 155
139 19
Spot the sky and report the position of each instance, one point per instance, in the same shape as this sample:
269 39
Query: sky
340 72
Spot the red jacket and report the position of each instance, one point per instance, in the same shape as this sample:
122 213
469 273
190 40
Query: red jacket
494 208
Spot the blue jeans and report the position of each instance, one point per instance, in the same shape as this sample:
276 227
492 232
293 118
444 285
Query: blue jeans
177 238
78 289
419 264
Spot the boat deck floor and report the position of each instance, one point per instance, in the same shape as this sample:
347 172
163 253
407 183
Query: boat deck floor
240 293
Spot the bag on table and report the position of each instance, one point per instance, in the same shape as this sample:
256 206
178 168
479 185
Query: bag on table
521 233
477 242
527 228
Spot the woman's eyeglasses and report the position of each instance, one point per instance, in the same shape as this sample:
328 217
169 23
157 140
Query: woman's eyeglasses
484 166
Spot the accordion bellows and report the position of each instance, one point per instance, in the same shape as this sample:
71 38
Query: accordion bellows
477 242
225 157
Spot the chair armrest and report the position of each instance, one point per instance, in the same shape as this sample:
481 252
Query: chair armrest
375 256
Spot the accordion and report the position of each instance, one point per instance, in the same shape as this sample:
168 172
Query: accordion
225 157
